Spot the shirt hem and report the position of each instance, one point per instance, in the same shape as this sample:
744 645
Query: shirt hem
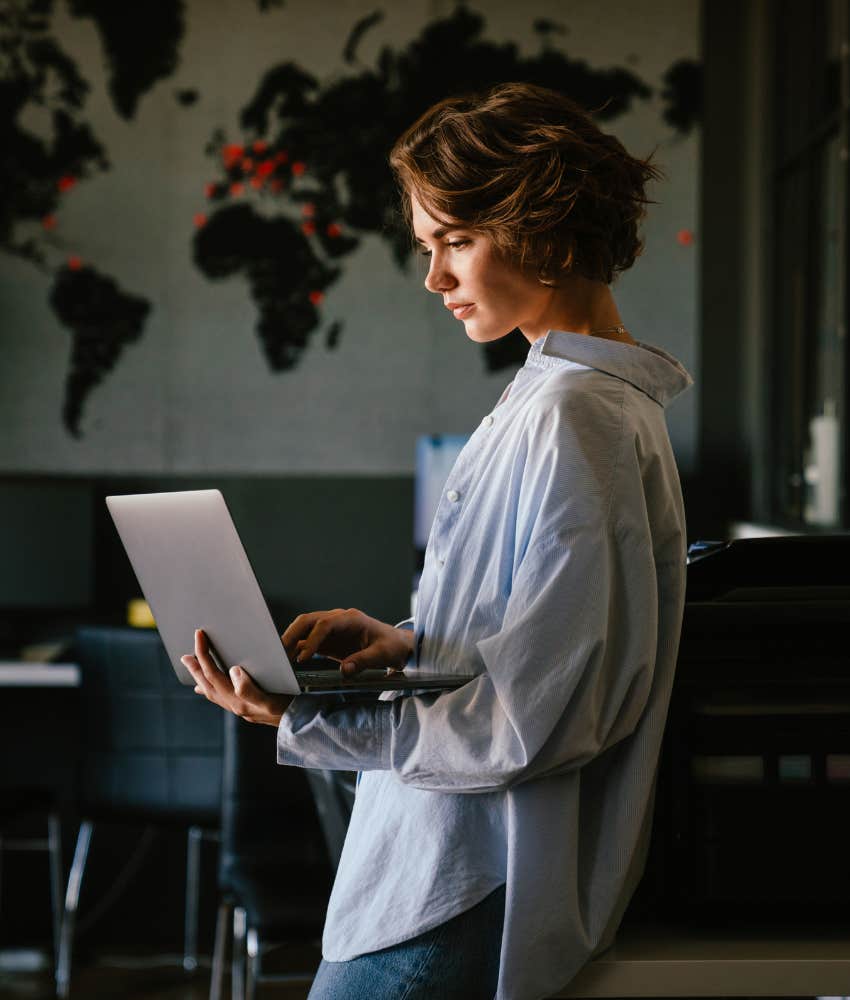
427 925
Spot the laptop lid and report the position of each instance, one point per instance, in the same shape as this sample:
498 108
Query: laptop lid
194 573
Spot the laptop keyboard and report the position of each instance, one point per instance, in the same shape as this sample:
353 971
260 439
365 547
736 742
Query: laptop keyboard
374 680
337 678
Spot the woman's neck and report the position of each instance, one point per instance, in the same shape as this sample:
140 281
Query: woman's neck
579 305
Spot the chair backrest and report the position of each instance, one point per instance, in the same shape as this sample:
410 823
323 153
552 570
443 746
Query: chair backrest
151 747
272 858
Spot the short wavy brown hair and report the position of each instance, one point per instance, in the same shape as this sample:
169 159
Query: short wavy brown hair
528 166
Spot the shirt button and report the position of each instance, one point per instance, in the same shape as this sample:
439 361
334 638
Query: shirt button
453 495
441 563
488 421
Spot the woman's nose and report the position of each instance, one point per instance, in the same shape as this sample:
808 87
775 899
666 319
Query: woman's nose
438 279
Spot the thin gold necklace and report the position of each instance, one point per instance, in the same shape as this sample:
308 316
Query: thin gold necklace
610 329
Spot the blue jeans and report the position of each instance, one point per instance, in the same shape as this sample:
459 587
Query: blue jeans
458 960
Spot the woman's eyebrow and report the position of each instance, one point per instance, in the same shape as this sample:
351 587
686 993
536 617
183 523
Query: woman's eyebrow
438 233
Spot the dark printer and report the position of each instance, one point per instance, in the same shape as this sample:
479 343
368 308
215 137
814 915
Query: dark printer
752 810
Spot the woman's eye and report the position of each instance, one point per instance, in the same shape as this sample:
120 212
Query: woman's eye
454 244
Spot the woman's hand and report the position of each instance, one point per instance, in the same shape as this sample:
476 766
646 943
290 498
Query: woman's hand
348 635
235 691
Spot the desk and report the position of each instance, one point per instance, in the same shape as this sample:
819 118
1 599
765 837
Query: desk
664 960
37 756
15 673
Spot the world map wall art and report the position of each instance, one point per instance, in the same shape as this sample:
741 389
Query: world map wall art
291 189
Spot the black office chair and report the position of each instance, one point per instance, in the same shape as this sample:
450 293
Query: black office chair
274 874
151 754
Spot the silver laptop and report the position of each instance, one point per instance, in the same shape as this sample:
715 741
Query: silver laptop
194 573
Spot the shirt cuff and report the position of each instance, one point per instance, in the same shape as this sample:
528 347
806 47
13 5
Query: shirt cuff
334 733
408 626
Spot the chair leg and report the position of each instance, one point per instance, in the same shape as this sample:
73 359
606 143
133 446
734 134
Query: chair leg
54 841
240 929
220 950
252 973
193 885
72 898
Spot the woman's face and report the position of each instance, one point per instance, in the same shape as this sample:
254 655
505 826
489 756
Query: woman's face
487 294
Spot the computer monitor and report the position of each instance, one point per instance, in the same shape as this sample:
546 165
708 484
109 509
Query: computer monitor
435 456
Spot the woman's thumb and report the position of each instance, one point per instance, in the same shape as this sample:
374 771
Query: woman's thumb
361 660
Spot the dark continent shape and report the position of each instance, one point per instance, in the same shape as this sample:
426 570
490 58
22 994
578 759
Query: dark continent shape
282 272
102 320
683 95
142 43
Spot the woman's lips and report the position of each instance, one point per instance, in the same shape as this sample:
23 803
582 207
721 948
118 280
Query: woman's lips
461 312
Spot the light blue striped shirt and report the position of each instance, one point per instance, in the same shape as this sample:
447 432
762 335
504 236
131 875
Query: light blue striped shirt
555 572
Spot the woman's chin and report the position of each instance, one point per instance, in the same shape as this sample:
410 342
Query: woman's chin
483 335
475 331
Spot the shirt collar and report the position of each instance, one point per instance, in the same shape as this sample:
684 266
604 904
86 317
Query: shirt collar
651 369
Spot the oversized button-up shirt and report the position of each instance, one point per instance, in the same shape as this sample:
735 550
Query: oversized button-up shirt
554 572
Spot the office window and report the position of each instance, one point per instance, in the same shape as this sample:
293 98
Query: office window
806 353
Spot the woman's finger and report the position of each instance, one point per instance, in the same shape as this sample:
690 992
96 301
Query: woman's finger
301 626
371 657
251 702
214 686
214 677
202 657
333 621
192 665
243 685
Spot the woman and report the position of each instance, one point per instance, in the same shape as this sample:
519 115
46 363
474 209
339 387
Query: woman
500 829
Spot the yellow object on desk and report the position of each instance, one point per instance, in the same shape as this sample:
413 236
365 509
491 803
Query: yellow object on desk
139 614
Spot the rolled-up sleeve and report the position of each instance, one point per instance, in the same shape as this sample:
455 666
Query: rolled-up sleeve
566 676
334 733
